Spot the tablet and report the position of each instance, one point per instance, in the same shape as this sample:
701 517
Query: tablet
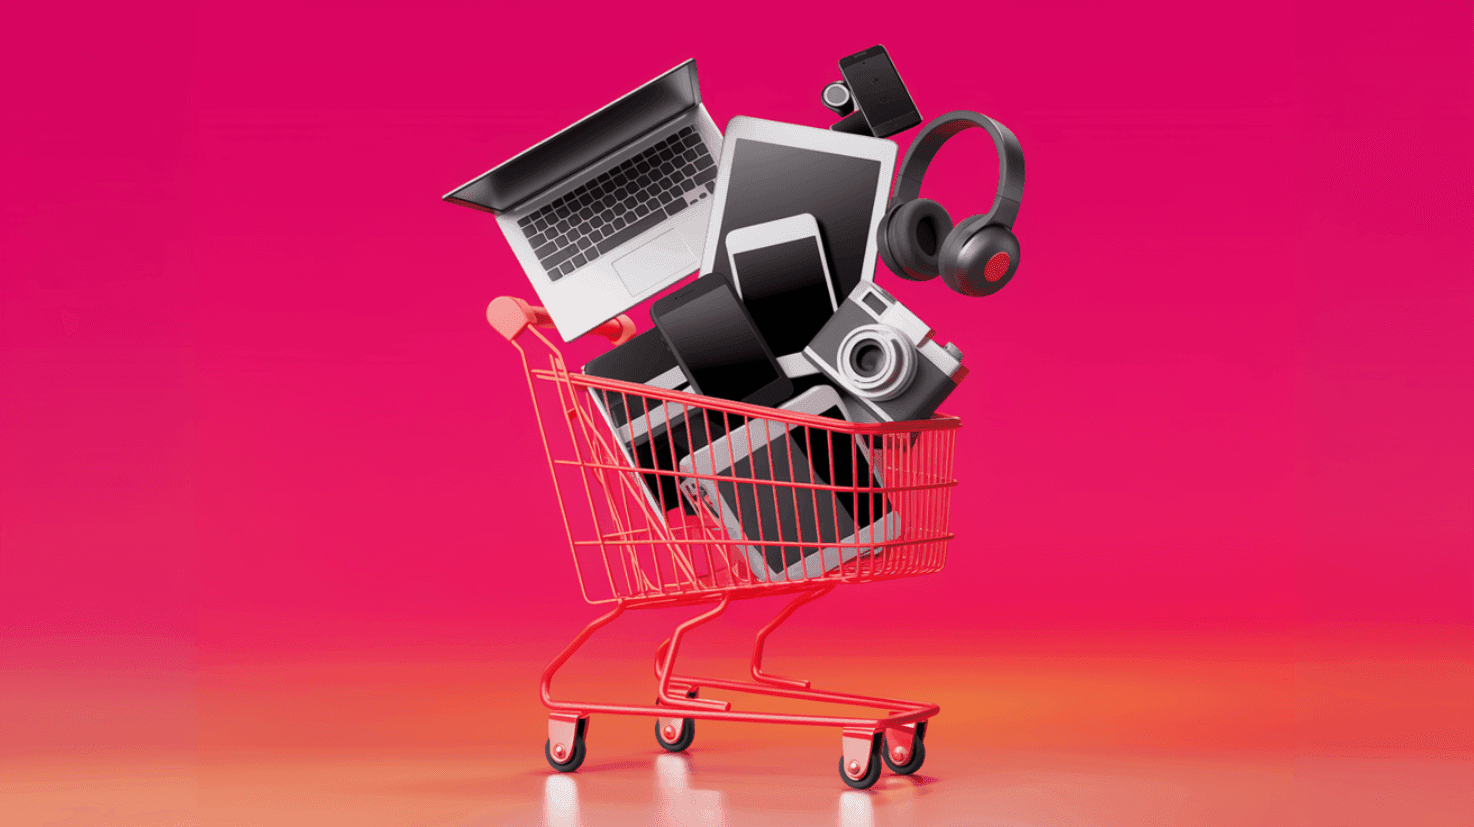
771 170
779 508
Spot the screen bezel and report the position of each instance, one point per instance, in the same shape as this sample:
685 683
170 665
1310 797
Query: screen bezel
742 128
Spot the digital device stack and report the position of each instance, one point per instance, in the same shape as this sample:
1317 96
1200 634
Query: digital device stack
784 224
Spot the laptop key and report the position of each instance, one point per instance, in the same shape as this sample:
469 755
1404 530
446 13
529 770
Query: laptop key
675 206
554 261
630 232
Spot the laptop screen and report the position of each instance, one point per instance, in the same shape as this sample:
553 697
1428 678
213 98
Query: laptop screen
597 135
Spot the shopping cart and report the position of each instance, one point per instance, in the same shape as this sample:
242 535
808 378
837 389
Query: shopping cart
694 500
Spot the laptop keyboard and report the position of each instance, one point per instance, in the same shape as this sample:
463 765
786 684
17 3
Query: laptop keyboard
620 204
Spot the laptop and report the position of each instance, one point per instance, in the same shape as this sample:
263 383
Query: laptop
613 209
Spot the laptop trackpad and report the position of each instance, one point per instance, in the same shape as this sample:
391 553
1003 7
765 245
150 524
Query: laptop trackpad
660 261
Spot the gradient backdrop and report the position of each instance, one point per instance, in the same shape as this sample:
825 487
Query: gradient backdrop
268 480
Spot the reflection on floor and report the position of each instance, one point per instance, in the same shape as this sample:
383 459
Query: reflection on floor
1139 732
677 804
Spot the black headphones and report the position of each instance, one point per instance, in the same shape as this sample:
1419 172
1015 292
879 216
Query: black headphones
916 238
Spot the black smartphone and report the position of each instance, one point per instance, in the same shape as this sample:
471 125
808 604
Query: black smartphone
879 92
717 344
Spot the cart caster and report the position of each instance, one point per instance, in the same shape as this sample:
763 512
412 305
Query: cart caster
903 759
568 753
675 734
856 776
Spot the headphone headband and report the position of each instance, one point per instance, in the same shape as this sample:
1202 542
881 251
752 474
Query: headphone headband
1010 162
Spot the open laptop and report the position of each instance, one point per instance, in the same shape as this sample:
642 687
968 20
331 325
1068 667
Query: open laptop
613 209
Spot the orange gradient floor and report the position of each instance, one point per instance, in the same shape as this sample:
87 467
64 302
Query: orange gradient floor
1041 731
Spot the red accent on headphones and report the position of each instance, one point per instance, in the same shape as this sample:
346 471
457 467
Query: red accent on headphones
996 267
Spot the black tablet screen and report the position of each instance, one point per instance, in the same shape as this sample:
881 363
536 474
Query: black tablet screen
770 181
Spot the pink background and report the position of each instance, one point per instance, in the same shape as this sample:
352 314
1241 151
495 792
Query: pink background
250 410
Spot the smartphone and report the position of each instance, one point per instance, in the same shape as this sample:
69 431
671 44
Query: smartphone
781 273
879 92
717 344
841 523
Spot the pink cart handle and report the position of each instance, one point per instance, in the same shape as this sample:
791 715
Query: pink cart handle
510 316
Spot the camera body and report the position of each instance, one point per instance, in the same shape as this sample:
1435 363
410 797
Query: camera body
883 355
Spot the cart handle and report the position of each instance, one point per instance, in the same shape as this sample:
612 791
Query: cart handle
511 315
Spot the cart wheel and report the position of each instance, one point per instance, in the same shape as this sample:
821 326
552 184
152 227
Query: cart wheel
872 775
913 762
574 759
682 741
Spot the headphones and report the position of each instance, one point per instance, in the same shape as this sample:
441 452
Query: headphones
916 239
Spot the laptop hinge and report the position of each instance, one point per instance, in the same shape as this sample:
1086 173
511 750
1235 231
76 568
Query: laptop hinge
558 184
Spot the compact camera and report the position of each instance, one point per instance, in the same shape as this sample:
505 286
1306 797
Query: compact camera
883 356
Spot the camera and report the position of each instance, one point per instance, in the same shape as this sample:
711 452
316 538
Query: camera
883 356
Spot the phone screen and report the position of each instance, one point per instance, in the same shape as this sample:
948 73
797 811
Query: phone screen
784 289
879 92
722 351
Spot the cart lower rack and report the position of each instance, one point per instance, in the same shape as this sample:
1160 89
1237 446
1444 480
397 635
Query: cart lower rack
672 499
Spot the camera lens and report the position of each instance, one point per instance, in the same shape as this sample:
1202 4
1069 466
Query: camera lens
867 358
876 362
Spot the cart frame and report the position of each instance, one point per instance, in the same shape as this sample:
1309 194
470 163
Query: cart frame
895 738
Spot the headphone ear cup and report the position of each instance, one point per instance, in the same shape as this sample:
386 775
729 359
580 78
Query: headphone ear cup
882 233
978 258
913 233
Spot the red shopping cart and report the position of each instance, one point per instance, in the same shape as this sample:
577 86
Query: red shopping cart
673 499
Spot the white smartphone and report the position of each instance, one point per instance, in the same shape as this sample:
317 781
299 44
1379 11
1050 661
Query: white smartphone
781 272
841 523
